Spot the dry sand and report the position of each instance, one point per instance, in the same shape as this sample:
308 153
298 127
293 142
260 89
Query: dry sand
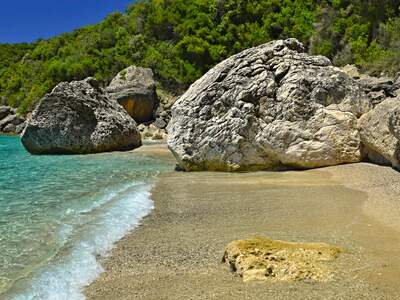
177 252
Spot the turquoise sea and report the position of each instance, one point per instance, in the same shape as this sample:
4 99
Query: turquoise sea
57 213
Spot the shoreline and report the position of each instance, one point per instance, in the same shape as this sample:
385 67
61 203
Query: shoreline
176 253
112 195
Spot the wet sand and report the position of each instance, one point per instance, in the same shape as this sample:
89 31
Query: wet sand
177 252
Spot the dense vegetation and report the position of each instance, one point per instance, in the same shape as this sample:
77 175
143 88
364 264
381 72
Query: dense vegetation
181 39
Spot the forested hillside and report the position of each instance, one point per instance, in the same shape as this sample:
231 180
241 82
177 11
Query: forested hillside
181 39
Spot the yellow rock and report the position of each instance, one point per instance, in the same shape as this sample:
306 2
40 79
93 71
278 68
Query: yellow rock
263 259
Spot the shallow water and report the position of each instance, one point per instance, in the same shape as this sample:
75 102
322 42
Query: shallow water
57 213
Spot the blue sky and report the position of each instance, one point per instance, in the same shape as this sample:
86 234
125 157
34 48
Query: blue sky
28 20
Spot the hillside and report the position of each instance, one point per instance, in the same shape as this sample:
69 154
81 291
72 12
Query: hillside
180 40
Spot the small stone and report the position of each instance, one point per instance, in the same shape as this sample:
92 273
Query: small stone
377 97
352 71
160 123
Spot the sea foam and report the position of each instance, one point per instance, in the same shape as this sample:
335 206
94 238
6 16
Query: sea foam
113 217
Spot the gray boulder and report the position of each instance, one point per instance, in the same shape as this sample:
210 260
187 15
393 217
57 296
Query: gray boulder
268 107
78 117
10 128
4 111
135 89
11 120
380 141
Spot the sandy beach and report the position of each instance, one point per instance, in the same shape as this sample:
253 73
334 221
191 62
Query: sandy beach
176 253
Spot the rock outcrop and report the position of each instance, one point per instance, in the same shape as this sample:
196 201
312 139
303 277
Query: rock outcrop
262 259
5 111
268 107
376 88
379 132
162 115
78 117
10 121
135 89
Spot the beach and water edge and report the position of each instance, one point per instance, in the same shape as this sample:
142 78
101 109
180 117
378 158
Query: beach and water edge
176 253
58 213
172 231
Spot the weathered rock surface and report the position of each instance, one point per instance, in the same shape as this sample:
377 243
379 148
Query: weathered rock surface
262 259
135 89
377 88
380 140
9 120
394 120
5 111
20 128
78 117
268 107
10 128
161 117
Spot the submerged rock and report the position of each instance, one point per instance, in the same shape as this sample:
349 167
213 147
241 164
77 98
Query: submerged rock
262 259
380 140
135 89
268 107
78 117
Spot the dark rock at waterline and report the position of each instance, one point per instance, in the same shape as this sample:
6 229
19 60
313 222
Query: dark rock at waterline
135 89
10 122
20 128
4 111
268 107
10 128
78 117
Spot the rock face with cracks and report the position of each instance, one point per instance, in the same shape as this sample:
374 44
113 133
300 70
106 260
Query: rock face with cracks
379 132
262 259
269 107
79 118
